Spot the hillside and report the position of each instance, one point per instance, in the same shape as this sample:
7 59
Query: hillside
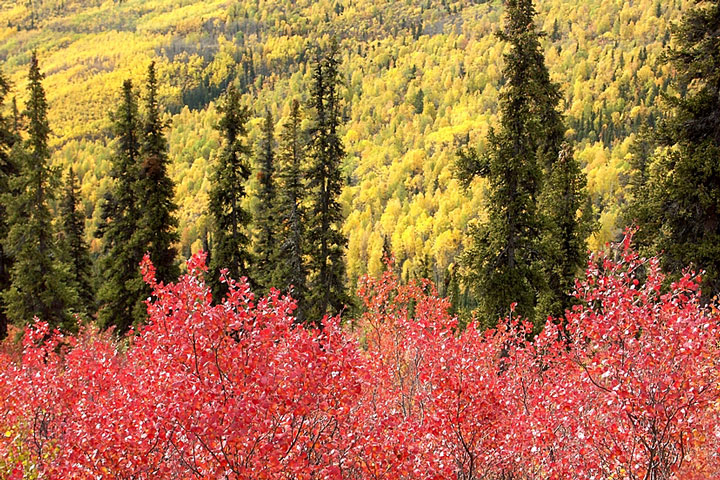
421 79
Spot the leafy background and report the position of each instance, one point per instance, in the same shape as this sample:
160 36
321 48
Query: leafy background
422 79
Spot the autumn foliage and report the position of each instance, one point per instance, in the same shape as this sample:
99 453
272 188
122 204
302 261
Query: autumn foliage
624 387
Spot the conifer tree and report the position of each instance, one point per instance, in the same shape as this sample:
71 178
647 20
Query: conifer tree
16 120
122 289
569 221
387 252
8 170
563 200
290 268
640 205
555 35
682 194
40 284
76 248
158 225
266 223
227 194
520 244
327 292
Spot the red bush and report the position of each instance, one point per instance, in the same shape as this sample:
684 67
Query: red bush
236 390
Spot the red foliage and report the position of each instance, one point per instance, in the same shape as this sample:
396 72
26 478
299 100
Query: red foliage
236 390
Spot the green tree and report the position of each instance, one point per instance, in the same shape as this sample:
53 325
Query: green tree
564 205
230 220
16 119
327 293
568 213
75 246
418 101
40 283
504 263
290 268
266 223
640 205
158 225
555 35
683 189
8 170
121 288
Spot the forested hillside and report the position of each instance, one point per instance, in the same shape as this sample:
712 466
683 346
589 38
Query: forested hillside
420 80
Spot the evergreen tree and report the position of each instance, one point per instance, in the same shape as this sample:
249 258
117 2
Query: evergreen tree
16 119
158 225
76 248
122 289
682 193
327 294
290 268
640 206
555 35
40 283
508 259
568 212
425 271
387 252
419 101
563 201
227 194
266 223
8 170
452 290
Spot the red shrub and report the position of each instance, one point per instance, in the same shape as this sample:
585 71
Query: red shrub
236 390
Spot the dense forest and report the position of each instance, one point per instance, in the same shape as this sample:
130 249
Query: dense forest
420 80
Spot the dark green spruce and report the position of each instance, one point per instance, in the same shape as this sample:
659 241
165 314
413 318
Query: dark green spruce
641 207
679 205
569 216
156 190
290 267
40 283
326 241
122 289
266 223
536 189
230 239
75 246
8 170
16 119
563 200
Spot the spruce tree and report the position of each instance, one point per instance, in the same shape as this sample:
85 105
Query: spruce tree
121 287
518 247
158 225
8 170
16 119
640 205
40 284
555 35
290 268
266 223
327 292
682 193
563 200
76 248
227 194
569 221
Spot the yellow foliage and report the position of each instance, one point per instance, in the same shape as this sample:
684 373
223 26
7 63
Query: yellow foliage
400 149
